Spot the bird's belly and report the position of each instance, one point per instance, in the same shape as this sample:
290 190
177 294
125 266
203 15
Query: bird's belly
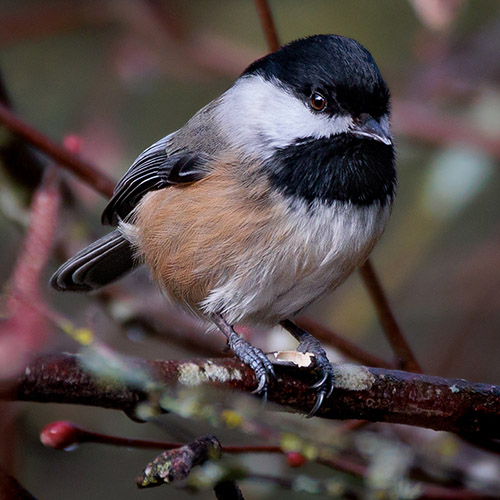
309 255
216 251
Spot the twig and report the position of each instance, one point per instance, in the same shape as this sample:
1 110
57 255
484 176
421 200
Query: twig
373 394
83 170
268 25
63 434
175 465
346 347
406 358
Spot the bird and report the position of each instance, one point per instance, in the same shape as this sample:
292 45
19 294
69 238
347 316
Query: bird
266 200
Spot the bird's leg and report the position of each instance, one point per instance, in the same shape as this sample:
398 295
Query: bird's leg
246 352
308 343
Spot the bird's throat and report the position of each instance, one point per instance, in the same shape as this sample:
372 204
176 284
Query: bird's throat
344 168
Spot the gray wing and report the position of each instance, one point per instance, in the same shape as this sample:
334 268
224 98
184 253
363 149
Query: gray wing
182 157
104 261
112 256
159 166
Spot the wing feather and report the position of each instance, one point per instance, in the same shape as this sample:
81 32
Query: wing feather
156 168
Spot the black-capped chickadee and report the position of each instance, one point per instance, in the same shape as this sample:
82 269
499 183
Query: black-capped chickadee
265 201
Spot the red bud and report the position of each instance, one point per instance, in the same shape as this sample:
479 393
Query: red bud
60 435
73 143
295 459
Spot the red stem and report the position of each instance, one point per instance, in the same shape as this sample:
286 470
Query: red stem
96 437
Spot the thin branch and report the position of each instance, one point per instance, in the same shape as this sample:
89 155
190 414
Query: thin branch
373 394
268 25
176 464
84 171
401 348
63 434
346 347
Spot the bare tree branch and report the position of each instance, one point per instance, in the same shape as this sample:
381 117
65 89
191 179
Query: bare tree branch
84 171
268 25
176 464
406 358
374 394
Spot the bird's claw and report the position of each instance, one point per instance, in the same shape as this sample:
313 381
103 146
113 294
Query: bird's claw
324 386
326 383
256 360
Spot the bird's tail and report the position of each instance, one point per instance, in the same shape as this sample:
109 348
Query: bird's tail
99 264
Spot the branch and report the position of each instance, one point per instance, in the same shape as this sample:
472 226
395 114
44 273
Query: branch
83 170
374 394
176 464
63 434
406 358
267 23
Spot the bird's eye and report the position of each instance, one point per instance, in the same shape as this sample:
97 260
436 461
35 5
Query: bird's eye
318 102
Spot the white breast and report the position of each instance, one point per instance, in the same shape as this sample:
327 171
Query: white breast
312 251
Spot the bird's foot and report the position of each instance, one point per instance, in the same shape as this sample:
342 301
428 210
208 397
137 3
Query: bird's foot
255 359
309 344
248 354
326 383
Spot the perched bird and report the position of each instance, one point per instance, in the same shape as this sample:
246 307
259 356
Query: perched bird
267 199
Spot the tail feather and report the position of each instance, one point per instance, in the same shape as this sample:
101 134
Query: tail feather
99 264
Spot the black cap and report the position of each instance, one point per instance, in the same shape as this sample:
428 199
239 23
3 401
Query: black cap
340 68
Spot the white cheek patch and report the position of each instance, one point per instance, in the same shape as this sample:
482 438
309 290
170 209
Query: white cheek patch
259 116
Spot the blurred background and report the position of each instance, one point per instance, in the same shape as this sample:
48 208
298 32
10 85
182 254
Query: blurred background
117 75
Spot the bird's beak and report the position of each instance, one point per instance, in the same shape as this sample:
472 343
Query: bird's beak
369 127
